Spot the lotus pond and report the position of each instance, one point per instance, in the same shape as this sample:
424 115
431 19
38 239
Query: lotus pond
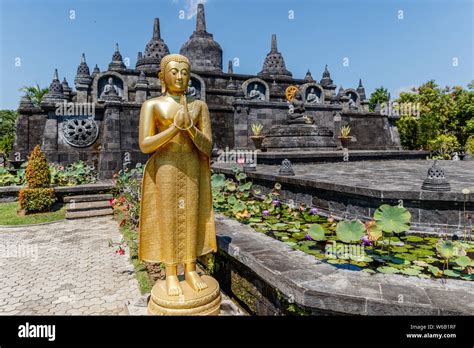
383 244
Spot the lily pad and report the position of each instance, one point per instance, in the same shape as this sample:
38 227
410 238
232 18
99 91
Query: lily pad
317 232
420 263
392 218
422 252
435 270
399 249
406 256
350 231
394 259
298 235
410 271
463 261
448 249
412 238
451 273
424 276
360 263
387 270
468 277
368 270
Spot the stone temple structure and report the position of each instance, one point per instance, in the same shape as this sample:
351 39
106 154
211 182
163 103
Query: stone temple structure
97 122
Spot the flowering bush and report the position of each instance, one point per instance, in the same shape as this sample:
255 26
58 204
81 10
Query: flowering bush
128 192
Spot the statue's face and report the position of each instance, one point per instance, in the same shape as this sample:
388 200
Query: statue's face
176 77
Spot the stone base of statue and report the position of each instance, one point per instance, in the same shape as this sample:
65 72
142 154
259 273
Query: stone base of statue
191 302
299 137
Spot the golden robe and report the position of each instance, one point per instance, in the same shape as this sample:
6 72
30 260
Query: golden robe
176 214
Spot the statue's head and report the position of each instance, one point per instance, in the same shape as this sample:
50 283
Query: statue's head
255 86
297 95
174 75
111 81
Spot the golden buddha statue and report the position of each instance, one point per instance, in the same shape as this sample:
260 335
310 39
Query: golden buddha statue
176 217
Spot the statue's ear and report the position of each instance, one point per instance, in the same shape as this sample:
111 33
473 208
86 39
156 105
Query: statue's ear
162 81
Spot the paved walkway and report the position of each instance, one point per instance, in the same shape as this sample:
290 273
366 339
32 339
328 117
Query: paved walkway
65 268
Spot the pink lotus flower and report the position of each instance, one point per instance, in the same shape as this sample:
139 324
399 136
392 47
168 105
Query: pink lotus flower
265 212
313 211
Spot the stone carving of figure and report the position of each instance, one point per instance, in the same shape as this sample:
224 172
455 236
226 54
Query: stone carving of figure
110 89
255 94
312 97
352 103
296 112
191 90
177 218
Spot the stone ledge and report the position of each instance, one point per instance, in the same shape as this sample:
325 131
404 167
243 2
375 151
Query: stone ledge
318 286
350 190
60 190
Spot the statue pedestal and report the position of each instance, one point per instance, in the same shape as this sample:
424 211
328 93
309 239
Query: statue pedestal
204 302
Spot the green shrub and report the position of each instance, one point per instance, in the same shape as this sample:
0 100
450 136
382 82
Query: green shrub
37 196
37 170
469 147
443 146
6 179
77 173
408 130
36 200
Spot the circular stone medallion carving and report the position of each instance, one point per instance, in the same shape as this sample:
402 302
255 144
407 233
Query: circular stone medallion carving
80 132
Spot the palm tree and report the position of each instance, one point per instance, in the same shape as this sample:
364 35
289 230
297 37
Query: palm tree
35 94
379 96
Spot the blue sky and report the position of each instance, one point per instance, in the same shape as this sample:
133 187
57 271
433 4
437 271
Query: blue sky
382 49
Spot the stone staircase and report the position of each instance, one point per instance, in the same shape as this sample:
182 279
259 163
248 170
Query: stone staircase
85 206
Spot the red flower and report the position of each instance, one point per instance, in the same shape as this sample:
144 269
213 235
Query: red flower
122 223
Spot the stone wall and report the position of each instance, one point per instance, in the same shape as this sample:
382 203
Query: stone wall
231 115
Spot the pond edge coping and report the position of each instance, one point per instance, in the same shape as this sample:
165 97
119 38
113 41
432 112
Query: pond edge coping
313 284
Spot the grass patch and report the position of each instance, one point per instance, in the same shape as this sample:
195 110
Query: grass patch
9 217
130 237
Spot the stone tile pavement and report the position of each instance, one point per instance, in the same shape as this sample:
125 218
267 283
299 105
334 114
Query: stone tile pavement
65 268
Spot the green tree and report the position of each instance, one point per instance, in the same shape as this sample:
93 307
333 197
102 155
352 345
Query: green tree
35 93
379 96
445 111
7 130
